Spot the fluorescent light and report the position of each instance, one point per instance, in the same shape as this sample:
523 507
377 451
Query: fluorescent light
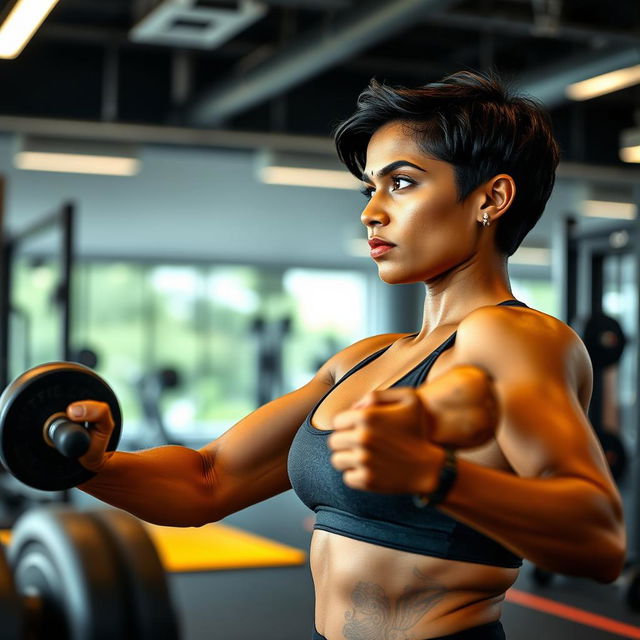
532 256
68 163
303 170
298 177
22 22
76 156
630 154
605 209
605 83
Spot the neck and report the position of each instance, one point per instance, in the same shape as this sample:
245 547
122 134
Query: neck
450 297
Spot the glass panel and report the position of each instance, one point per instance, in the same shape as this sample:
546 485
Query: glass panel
109 317
538 294
329 314
229 333
203 320
35 318
620 300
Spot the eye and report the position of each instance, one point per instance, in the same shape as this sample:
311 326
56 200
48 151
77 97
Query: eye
401 182
367 191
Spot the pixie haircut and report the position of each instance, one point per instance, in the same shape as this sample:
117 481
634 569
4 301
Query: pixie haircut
475 123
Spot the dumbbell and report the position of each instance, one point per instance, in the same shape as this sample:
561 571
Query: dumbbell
95 575
38 444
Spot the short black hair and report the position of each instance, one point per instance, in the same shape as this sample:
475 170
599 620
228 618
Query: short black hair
478 124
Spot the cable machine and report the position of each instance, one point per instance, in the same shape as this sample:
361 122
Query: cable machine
599 274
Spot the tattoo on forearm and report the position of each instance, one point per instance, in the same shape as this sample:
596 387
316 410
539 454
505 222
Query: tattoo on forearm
375 617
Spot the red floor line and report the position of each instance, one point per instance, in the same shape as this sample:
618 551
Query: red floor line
572 613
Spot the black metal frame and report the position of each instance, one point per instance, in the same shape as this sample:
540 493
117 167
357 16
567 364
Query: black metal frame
583 287
64 219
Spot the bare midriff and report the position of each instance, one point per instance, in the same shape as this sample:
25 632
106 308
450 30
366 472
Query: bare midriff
369 592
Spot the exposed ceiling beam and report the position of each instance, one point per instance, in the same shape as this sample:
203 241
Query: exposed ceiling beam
219 139
162 135
548 84
111 36
310 54
503 24
321 5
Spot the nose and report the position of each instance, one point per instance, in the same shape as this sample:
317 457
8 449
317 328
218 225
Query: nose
373 215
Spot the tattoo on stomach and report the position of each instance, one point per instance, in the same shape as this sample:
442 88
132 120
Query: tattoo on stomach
375 616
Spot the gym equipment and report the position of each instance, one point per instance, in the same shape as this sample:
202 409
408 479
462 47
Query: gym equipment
270 338
614 451
633 590
596 262
151 388
38 444
87 357
151 614
57 232
83 576
604 338
542 577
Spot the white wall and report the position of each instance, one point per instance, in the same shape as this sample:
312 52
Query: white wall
205 204
194 204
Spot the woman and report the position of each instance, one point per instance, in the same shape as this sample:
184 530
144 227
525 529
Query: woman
413 541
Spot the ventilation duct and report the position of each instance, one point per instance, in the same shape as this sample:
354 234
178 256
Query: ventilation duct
198 24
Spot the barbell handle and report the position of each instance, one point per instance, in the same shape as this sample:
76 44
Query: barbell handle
69 438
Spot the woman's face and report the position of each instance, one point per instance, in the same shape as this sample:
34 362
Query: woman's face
413 206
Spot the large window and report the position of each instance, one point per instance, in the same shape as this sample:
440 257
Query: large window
235 335
537 293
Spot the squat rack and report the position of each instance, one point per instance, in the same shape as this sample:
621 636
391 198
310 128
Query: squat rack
62 219
579 263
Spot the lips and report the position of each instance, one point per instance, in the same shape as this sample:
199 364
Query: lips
379 247
379 242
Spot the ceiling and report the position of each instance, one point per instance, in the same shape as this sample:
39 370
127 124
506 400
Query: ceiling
298 68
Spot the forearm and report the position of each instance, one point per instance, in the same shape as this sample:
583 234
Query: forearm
166 485
564 524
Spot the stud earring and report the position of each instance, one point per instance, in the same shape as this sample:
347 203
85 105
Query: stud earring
485 220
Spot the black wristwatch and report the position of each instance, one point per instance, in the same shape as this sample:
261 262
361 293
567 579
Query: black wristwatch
448 475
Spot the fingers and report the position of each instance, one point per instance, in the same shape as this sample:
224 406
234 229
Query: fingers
385 396
464 407
98 414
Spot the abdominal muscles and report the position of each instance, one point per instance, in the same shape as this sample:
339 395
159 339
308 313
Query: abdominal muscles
368 592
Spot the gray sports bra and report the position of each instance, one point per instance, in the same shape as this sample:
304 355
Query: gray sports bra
386 520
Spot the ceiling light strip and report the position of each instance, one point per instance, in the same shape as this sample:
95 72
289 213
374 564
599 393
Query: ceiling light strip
79 163
299 177
613 210
605 83
22 22
630 154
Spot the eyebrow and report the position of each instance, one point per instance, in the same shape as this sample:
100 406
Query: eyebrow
392 167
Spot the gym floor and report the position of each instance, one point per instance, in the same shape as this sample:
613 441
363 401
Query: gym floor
277 604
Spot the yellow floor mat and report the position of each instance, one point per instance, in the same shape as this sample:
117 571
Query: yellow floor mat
214 547
219 546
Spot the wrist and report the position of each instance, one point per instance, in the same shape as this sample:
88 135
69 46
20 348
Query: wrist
440 479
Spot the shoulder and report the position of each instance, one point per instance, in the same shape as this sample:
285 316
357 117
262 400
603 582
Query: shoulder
350 356
520 340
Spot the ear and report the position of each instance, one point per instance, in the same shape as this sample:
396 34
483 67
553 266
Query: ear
497 196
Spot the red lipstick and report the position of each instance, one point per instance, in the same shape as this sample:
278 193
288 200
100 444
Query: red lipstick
379 247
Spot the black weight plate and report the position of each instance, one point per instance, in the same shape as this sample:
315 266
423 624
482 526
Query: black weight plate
25 406
604 338
542 577
64 558
11 615
633 591
615 452
152 615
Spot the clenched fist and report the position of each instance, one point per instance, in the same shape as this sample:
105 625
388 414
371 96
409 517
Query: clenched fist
387 441
463 407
